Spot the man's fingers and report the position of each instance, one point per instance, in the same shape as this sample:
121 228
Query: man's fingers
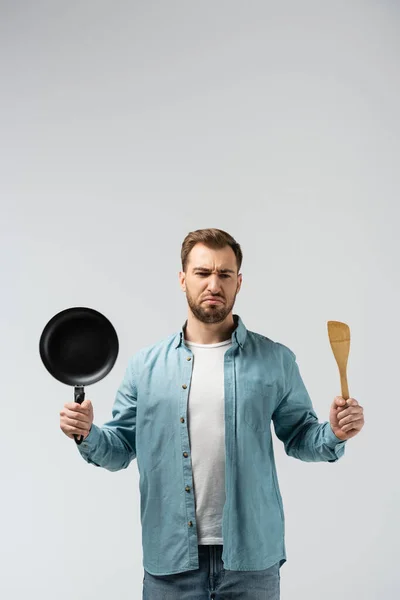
349 420
71 429
349 411
76 419
78 423
352 425
75 406
74 415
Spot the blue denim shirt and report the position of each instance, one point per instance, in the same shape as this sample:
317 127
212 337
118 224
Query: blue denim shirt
149 422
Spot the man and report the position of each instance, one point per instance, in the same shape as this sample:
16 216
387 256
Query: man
195 409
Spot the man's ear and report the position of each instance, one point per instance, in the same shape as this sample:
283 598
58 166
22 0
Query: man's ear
182 281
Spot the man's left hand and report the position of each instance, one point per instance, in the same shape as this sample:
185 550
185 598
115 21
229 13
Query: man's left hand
346 422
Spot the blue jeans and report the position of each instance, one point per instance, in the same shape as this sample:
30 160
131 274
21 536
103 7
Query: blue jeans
211 580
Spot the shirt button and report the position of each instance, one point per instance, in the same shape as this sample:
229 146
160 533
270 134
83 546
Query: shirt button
182 420
187 488
185 454
189 358
190 524
184 386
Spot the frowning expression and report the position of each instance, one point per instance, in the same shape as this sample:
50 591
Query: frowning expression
211 282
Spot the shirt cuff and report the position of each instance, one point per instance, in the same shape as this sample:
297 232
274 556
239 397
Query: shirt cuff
90 443
331 440
334 443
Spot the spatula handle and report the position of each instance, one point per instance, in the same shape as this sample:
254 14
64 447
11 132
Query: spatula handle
344 386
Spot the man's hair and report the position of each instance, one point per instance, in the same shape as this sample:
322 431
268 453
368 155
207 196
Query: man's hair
213 238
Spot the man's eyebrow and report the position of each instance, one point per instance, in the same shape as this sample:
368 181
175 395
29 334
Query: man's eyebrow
209 270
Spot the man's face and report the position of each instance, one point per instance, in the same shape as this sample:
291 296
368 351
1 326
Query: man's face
211 274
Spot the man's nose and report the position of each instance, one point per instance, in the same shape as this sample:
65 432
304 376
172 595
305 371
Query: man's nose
214 284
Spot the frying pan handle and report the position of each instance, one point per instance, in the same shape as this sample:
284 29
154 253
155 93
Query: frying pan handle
79 392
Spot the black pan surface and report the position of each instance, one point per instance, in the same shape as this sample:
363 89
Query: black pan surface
79 346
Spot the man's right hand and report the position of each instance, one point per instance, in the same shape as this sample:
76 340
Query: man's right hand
76 418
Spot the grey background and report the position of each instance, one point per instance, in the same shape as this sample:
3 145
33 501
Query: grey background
125 125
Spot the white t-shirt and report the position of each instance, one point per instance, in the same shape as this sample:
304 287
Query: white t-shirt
206 426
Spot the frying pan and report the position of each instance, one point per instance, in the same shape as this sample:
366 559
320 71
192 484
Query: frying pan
79 346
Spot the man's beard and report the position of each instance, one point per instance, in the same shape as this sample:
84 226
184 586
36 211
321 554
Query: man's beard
211 313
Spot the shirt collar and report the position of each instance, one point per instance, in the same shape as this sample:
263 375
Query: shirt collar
238 334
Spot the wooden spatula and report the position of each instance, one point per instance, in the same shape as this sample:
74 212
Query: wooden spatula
339 337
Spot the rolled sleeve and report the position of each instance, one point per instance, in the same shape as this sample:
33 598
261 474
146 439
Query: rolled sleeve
113 445
296 423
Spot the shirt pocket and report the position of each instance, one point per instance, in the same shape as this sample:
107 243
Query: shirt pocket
258 404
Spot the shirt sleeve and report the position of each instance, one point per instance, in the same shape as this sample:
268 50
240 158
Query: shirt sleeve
296 423
113 445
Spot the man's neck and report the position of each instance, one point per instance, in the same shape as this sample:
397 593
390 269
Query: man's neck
209 333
